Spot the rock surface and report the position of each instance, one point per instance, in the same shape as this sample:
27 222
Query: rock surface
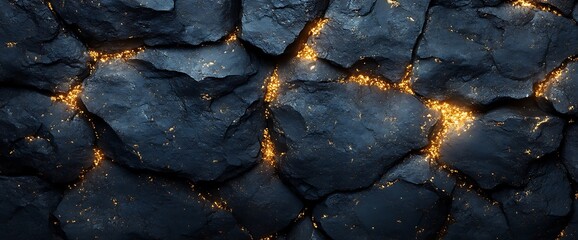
570 151
272 25
42 137
34 50
500 145
343 136
562 91
376 30
111 202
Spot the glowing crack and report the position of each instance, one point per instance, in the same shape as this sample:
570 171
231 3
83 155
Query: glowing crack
98 156
70 98
105 57
307 52
271 86
537 6
553 77
268 148
403 86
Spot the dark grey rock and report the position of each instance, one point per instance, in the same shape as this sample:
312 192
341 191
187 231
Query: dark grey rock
170 116
112 203
343 136
570 151
114 24
563 6
260 201
271 25
562 91
34 51
575 15
304 230
399 211
305 70
480 55
374 30
418 169
475 217
500 145
42 137
571 230
27 203
540 209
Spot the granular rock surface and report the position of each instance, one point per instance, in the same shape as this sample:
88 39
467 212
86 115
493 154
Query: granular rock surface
288 119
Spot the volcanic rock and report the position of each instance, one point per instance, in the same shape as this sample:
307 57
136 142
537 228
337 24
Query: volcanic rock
35 52
562 91
399 211
198 122
271 25
39 136
112 203
343 136
27 203
483 54
570 151
131 23
304 230
500 145
376 30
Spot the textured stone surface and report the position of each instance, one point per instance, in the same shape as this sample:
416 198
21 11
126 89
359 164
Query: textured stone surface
562 91
271 25
343 136
42 137
35 51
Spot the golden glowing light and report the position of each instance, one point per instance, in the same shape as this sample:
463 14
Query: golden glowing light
70 98
364 80
553 77
104 57
11 44
307 52
316 29
272 85
393 3
232 36
453 119
537 6
98 156
268 148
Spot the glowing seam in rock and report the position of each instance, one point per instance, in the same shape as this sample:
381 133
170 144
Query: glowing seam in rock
268 148
364 80
307 52
232 36
533 5
105 57
553 77
453 119
272 84
393 3
98 156
11 44
70 98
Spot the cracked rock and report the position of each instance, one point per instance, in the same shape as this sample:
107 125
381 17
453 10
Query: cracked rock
131 23
35 51
483 54
260 201
399 211
27 203
42 137
113 203
570 151
540 209
417 169
571 230
499 146
564 6
271 25
343 136
304 70
371 29
169 116
304 230
475 217
562 91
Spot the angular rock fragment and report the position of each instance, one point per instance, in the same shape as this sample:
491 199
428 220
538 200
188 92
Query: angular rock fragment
570 151
271 25
27 203
114 203
377 30
540 209
398 211
39 136
343 136
306 70
418 169
500 145
475 217
260 201
34 51
482 54
113 24
172 115
562 90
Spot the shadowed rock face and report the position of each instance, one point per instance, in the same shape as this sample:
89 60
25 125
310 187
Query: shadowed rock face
288 119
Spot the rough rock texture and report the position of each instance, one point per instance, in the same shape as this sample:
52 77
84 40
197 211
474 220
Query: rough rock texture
271 25
500 145
113 203
540 209
27 203
564 6
570 151
483 54
562 91
132 22
198 122
376 30
399 211
260 201
35 51
39 136
305 230
316 125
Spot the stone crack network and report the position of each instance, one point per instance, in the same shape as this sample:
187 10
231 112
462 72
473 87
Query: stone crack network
297 119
